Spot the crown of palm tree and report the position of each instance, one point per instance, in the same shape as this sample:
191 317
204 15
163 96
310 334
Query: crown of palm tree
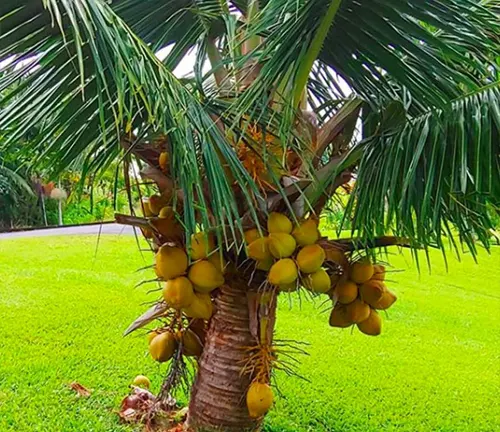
83 77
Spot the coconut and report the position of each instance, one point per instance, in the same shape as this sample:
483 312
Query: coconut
347 292
283 272
170 262
218 261
281 245
178 292
306 233
259 399
378 272
310 258
205 277
151 335
336 255
145 208
252 235
361 271
162 347
386 301
202 244
167 212
371 326
264 265
279 223
259 249
357 311
201 307
168 227
338 317
191 344
141 381
371 291
163 161
318 282
291 287
156 203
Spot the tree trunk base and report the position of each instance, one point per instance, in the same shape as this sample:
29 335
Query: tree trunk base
218 397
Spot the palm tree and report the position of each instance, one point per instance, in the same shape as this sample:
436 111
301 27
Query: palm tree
288 101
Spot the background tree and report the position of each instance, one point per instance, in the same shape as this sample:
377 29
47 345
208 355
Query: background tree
267 128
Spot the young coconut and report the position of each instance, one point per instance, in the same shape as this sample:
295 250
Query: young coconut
202 244
259 249
264 265
218 261
145 208
347 292
191 344
201 307
151 335
371 292
205 277
306 233
141 381
318 282
386 301
168 227
259 399
281 245
163 347
338 317
171 262
178 292
361 271
378 272
357 311
283 272
251 235
279 223
156 202
163 161
310 258
371 326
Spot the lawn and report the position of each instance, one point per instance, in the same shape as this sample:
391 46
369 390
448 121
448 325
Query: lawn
64 303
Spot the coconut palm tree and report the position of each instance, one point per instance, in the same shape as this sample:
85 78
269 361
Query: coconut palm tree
288 100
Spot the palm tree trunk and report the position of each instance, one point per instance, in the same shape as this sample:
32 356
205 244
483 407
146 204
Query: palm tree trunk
218 396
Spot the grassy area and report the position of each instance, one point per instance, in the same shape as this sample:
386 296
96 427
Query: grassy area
63 308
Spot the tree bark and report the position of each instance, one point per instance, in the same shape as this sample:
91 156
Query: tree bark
218 396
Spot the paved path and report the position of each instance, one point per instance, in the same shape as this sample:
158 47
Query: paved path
75 230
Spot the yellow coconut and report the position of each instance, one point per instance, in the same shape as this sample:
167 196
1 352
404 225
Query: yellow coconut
346 291
141 381
386 301
218 261
191 344
163 161
357 311
318 282
259 249
202 244
178 292
162 347
371 326
167 212
338 317
306 233
259 399
371 291
201 307
205 277
151 335
279 223
170 262
252 235
361 271
145 208
310 258
156 203
281 245
291 287
264 265
378 272
283 272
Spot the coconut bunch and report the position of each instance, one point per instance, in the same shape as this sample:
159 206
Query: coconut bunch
290 254
358 295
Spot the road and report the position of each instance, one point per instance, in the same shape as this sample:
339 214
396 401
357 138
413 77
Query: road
115 229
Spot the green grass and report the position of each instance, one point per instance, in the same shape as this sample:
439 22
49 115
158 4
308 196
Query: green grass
436 367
